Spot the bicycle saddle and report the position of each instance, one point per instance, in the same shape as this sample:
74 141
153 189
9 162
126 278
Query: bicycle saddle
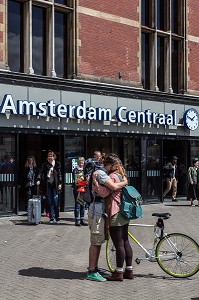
162 215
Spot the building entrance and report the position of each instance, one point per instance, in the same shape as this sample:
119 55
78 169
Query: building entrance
37 146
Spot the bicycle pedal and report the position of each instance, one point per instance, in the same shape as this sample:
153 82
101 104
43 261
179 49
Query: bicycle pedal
137 261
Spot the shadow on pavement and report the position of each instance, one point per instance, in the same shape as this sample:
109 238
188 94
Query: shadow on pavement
171 204
158 277
25 223
51 273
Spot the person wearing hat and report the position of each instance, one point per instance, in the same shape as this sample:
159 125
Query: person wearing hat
193 180
171 175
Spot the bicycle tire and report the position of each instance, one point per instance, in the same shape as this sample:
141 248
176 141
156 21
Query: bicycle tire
110 255
183 263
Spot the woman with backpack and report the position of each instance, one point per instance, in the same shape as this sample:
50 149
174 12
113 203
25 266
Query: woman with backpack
78 174
118 225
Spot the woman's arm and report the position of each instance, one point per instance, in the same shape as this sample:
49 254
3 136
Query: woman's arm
113 186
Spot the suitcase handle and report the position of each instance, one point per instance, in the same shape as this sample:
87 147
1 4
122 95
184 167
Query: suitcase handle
33 212
38 191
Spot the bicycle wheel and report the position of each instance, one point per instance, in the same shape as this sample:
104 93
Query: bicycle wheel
110 255
178 255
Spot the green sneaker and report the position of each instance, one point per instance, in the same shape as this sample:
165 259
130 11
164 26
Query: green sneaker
95 276
102 272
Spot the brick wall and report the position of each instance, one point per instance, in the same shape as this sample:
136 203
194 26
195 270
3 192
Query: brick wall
123 8
109 39
2 33
193 46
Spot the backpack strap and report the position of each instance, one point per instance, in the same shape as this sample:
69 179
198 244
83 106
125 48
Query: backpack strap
119 176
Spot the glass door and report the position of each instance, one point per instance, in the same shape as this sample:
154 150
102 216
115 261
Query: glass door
7 173
132 162
154 184
73 148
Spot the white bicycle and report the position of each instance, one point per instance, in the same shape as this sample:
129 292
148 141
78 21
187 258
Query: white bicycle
176 253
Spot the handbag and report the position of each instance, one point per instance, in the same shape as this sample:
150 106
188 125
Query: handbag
79 199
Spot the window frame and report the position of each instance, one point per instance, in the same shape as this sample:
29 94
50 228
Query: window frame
154 33
70 43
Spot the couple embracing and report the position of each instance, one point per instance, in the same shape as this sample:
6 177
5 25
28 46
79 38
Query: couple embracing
106 187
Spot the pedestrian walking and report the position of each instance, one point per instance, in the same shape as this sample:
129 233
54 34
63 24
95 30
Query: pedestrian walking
171 175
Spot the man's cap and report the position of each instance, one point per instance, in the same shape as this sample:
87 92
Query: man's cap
174 157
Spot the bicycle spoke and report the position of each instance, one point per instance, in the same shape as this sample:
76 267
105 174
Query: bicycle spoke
178 255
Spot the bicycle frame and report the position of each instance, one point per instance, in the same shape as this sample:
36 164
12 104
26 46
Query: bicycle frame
150 254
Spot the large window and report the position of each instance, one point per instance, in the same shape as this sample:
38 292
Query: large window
163 45
15 35
38 40
40 37
60 44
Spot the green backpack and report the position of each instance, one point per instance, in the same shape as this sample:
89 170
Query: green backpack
131 200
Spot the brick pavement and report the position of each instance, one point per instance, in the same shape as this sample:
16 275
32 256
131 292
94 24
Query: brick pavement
50 261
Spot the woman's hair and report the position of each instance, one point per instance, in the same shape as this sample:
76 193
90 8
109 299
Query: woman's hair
52 153
121 170
112 159
81 158
102 158
28 159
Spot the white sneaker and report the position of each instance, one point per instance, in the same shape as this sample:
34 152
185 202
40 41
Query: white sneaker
195 202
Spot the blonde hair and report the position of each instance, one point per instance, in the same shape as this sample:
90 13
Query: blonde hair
102 158
81 158
28 159
121 170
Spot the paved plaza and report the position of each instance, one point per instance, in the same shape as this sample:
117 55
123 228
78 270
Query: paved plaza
47 261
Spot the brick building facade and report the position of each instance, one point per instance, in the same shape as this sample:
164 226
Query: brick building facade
118 76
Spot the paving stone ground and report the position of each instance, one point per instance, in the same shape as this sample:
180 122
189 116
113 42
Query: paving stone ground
47 262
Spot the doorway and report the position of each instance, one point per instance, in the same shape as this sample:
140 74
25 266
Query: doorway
180 149
37 146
